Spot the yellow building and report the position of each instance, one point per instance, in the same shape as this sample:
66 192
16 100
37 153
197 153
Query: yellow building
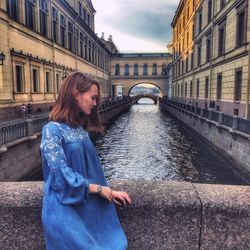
211 54
44 40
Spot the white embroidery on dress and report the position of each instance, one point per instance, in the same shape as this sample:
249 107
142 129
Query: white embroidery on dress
52 145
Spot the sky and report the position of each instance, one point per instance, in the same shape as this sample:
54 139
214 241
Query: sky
136 25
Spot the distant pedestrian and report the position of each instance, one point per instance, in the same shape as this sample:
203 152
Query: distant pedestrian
29 108
23 110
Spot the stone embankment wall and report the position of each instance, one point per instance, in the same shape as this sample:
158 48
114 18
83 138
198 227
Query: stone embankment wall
232 144
20 157
163 215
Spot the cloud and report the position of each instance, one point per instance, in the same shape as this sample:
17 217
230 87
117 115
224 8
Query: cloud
145 20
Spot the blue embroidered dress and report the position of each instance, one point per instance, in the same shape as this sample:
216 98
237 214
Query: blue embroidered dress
72 218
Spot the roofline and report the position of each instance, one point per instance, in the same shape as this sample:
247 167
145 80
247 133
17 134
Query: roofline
179 8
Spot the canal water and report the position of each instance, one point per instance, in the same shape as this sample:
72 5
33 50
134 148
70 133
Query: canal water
147 144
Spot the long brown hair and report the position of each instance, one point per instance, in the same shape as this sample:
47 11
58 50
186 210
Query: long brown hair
66 108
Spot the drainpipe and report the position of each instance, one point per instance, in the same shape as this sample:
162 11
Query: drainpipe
247 113
212 54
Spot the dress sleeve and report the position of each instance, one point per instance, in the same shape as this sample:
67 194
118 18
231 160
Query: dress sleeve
70 187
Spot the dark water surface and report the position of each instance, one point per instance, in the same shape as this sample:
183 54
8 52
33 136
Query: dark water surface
146 143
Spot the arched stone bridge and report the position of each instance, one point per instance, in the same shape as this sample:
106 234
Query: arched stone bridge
131 69
152 97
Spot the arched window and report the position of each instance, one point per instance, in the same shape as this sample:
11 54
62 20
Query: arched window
145 69
154 70
136 70
117 69
126 70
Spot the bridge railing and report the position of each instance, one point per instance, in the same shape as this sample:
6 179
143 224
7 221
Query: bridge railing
14 130
232 122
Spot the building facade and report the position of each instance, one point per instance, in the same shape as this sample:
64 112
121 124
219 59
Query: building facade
211 55
44 40
131 69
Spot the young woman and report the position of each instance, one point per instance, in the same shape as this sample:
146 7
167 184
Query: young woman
78 206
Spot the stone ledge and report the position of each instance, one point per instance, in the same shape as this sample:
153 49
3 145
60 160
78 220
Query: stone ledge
164 215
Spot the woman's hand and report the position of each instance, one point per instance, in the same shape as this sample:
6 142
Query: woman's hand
106 193
121 198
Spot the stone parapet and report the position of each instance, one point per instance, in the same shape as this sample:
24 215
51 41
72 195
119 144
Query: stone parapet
163 215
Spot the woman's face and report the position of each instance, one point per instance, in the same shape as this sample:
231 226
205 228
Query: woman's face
87 100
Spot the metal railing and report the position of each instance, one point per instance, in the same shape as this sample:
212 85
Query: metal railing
227 120
14 130
234 122
244 125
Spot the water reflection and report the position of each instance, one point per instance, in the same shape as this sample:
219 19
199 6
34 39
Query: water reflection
146 143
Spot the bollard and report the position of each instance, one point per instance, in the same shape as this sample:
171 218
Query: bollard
220 120
202 112
29 127
235 122
210 113
1 137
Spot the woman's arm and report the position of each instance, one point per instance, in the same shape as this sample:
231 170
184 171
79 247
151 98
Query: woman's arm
119 197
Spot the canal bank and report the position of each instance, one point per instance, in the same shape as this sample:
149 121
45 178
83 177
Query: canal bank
222 132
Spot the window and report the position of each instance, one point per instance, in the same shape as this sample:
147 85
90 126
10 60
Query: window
222 3
30 14
145 69
154 69
126 70
89 54
47 82
35 83
19 79
76 41
187 64
136 70
193 31
182 66
208 51
81 44
86 49
199 54
57 82
84 14
117 69
206 86
200 20
54 24
191 89
88 19
12 8
219 86
221 39
241 29
238 85
62 30
197 88
70 36
43 17
209 11
80 9
93 54
192 61
185 89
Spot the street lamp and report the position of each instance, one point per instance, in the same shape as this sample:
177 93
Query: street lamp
2 58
